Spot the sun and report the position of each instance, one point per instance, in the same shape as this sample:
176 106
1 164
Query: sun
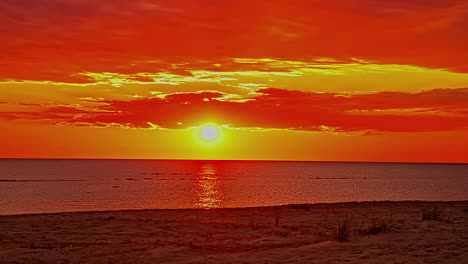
209 133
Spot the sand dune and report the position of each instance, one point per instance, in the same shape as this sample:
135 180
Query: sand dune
244 235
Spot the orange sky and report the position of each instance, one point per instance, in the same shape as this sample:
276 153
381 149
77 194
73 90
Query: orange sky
354 80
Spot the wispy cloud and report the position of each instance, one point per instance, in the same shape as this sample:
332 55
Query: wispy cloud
434 110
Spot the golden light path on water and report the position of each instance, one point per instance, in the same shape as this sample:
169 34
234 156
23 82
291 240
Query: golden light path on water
207 189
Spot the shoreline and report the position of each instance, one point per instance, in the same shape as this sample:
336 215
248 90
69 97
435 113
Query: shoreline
381 231
236 208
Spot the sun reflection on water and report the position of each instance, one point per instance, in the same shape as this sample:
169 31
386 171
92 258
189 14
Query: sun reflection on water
207 188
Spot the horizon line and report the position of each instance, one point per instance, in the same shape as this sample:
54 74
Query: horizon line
252 160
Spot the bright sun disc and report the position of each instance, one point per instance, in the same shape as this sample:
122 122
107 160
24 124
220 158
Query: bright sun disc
209 133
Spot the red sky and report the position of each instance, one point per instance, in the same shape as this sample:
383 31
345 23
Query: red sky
358 80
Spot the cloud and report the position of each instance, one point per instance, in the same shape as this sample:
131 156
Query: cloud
434 110
46 40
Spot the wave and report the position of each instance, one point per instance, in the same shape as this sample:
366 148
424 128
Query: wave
342 178
166 173
7 180
181 179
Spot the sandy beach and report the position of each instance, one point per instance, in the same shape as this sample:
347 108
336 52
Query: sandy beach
377 232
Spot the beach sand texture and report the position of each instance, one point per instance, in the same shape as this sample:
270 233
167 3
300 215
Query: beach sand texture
280 234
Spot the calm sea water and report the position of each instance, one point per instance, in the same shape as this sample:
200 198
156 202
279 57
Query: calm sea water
36 186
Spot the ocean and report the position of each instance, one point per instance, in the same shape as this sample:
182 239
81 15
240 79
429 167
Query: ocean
48 185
